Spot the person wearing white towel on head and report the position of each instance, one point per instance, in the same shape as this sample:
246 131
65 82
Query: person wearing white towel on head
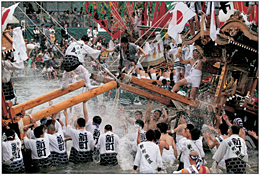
196 165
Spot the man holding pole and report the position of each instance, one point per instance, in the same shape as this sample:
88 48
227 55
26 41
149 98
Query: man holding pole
128 54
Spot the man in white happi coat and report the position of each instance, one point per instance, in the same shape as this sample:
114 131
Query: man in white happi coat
195 144
148 155
108 146
234 150
40 147
11 153
83 142
74 57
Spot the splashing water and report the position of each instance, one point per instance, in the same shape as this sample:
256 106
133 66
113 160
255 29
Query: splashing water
29 89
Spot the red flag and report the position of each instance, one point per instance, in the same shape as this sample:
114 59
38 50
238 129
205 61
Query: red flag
130 10
115 30
160 16
155 14
7 14
144 19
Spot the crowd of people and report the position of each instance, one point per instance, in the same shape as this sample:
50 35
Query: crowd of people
73 17
48 51
156 140
95 138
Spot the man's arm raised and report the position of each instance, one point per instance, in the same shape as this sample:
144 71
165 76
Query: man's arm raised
85 111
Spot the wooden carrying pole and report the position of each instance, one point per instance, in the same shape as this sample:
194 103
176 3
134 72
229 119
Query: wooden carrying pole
164 92
47 97
70 102
140 92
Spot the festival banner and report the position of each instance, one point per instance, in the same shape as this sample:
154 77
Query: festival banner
213 32
7 15
112 27
130 10
181 15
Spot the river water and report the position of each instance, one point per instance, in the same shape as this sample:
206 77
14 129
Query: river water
29 89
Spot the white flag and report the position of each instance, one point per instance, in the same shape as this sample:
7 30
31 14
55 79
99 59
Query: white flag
19 45
181 14
7 15
213 31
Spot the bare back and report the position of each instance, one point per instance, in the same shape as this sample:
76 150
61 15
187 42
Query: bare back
169 140
163 145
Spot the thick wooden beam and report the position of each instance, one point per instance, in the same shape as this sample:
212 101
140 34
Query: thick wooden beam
140 92
146 94
47 97
164 92
70 102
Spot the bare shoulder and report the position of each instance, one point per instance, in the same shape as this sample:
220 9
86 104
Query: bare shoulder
207 170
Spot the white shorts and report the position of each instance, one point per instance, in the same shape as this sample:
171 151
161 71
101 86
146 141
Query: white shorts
194 78
168 154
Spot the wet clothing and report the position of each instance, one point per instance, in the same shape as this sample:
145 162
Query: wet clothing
148 157
71 60
12 156
235 165
14 167
80 156
108 159
108 143
57 148
94 130
42 163
168 154
186 146
142 135
219 138
40 151
70 63
221 164
194 78
234 149
83 144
